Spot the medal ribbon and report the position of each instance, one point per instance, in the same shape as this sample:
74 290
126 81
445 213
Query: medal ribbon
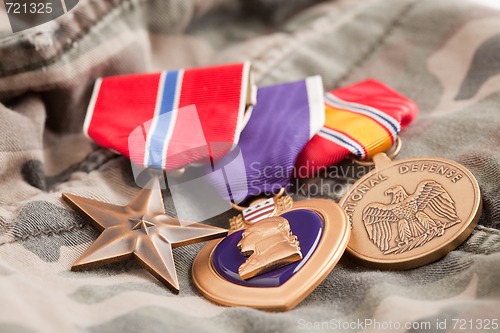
362 119
284 119
120 104
291 124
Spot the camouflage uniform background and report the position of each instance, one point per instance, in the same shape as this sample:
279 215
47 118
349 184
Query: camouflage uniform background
443 54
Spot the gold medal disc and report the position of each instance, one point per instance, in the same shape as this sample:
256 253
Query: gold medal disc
410 212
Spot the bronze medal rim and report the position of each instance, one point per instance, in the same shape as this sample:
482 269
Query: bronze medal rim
437 252
332 245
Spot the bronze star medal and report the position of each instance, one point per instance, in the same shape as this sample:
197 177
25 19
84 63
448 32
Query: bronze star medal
141 230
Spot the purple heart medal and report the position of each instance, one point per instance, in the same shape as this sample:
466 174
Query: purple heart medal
278 251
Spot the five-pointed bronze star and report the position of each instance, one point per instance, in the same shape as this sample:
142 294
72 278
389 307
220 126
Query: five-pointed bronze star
141 230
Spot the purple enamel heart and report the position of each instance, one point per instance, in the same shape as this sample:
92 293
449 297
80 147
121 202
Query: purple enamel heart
226 258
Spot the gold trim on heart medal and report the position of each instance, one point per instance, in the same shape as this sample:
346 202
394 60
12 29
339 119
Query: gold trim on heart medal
278 251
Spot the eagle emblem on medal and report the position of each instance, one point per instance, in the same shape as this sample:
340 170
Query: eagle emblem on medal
417 218
276 253
410 212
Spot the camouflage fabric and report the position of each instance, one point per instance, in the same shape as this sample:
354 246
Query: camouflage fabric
443 54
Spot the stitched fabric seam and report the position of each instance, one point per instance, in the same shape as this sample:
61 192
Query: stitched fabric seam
59 231
46 232
380 41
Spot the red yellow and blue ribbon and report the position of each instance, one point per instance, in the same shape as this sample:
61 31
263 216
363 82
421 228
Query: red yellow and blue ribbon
362 119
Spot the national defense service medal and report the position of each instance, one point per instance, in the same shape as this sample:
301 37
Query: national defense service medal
308 238
410 212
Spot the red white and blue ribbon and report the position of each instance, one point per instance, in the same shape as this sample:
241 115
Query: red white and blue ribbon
120 104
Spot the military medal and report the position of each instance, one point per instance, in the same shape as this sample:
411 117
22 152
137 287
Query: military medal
403 213
291 251
140 230
411 212
278 250
139 117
